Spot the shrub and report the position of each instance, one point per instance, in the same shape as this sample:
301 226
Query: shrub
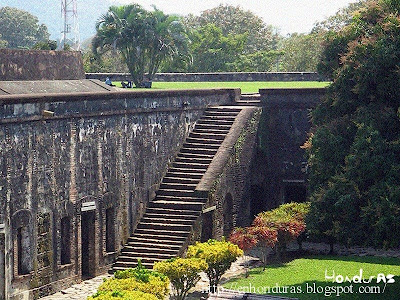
288 220
122 295
140 273
219 256
156 286
182 272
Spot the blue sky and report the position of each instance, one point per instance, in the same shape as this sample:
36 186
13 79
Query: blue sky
289 15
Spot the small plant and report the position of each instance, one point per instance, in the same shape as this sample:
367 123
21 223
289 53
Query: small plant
219 256
182 272
122 295
136 280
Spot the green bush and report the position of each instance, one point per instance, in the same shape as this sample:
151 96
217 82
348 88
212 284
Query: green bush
219 256
140 273
182 272
156 286
124 295
287 219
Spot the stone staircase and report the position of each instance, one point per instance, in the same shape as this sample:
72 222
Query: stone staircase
164 229
249 100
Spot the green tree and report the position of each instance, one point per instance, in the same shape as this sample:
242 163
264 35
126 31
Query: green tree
236 21
214 52
301 52
341 19
219 256
182 272
144 38
45 45
20 29
354 150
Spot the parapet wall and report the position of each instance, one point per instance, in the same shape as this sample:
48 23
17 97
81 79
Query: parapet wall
212 77
88 162
40 65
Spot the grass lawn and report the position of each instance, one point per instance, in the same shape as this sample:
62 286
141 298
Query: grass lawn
304 276
247 87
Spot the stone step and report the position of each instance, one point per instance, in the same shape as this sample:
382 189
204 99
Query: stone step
170 217
178 198
196 176
211 131
191 160
162 232
165 226
122 267
154 244
163 211
224 108
212 126
195 155
145 237
250 96
202 135
208 113
203 141
186 170
191 166
197 146
177 186
199 150
128 250
215 121
133 256
175 192
248 103
182 205
167 220
146 262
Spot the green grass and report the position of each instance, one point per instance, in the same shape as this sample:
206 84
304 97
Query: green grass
303 272
246 87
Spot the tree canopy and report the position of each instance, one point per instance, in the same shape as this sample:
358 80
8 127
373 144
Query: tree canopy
354 149
20 29
144 38
236 21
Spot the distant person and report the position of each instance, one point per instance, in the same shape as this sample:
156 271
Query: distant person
109 82
123 84
129 84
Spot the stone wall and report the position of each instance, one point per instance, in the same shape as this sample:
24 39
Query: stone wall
280 169
227 76
82 165
40 65
227 180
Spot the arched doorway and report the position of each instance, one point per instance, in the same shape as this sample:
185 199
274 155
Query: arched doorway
228 214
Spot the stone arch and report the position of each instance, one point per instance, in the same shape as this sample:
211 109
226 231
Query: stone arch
23 241
108 221
64 222
228 214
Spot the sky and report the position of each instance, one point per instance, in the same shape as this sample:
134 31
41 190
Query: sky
288 15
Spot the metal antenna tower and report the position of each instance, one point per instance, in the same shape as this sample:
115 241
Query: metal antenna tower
70 30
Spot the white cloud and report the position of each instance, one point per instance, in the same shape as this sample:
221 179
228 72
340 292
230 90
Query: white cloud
289 15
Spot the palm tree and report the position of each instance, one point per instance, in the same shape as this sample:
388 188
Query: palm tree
144 38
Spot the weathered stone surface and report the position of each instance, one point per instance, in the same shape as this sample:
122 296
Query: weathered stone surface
222 76
40 65
95 152
227 180
280 169
53 86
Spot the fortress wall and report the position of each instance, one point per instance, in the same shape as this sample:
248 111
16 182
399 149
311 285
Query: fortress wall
40 65
83 156
212 77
